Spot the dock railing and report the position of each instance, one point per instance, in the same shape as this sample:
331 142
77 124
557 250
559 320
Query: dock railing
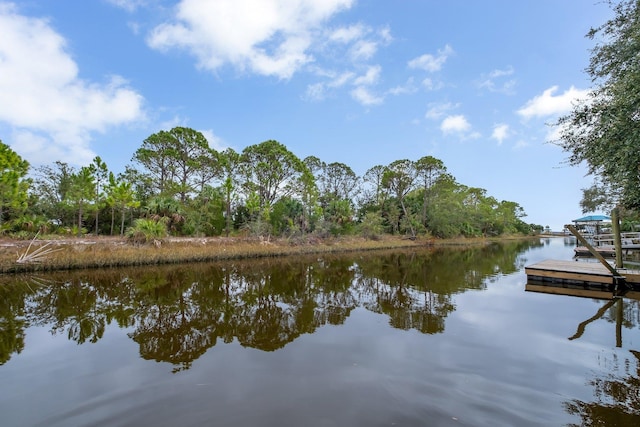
629 238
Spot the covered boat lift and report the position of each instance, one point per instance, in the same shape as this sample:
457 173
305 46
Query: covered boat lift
592 225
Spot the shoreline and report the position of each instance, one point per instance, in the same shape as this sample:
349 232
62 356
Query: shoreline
90 252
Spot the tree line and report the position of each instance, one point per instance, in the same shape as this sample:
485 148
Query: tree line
177 184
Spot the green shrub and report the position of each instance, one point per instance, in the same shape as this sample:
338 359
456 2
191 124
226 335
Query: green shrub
146 230
372 226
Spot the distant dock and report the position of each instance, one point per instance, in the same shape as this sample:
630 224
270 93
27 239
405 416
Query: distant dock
604 244
585 273
607 252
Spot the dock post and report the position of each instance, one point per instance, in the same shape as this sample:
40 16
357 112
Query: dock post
617 240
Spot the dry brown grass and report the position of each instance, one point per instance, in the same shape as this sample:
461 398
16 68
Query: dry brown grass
115 252
104 252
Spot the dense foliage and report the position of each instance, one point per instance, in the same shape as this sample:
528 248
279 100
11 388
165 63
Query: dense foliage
603 130
178 185
13 185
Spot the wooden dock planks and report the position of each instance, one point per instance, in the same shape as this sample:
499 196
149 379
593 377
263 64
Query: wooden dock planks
582 272
588 272
631 276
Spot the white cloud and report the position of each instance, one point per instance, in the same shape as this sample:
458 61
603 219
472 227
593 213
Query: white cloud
318 91
348 34
430 85
341 79
173 122
362 42
501 73
53 110
549 105
521 144
268 37
350 48
385 35
500 132
128 5
431 63
365 97
39 149
553 133
407 88
455 124
436 111
370 77
362 92
496 81
214 140
363 50
134 27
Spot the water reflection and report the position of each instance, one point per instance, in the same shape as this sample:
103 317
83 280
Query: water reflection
176 313
617 395
495 357
12 321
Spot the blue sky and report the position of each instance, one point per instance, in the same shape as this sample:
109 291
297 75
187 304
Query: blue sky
474 83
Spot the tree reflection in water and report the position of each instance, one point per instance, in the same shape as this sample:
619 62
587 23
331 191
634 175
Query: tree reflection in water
617 399
176 313
617 395
12 319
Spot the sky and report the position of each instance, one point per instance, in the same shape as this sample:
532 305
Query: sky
474 83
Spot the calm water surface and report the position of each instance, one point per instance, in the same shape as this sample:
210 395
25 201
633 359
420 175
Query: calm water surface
405 338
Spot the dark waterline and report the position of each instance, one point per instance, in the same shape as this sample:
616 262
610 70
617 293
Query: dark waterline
404 338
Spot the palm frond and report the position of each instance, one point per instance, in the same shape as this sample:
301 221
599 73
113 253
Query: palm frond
38 254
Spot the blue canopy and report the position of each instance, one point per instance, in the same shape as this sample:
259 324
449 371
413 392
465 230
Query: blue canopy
593 218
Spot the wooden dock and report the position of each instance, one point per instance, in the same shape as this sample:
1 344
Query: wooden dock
605 251
580 273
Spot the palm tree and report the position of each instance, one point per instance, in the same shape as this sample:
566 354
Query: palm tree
120 195
166 209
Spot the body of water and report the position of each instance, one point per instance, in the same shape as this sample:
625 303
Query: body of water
445 337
